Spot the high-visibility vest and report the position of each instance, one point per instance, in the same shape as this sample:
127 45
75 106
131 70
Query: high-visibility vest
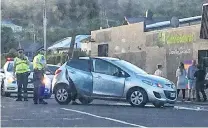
21 65
39 62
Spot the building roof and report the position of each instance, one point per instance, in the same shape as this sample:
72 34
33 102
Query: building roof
65 43
8 22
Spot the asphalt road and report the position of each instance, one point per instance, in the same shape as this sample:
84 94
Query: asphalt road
100 114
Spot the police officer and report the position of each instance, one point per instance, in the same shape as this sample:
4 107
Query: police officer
39 65
21 70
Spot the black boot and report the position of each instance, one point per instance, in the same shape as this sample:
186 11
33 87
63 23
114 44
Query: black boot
25 99
19 99
35 101
42 102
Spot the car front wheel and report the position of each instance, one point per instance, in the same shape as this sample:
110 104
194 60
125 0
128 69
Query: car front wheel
137 97
62 95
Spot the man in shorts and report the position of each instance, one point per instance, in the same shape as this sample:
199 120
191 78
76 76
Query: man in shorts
191 80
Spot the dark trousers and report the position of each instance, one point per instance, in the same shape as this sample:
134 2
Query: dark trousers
200 88
183 92
22 81
39 87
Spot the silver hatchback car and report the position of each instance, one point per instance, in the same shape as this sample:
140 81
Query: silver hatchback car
110 79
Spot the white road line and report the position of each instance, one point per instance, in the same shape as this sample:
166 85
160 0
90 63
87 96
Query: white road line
43 119
188 108
4 120
72 119
106 118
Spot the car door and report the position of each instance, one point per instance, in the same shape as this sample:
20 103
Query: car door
105 80
79 72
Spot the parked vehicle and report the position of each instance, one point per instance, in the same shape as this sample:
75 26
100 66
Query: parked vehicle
9 83
110 79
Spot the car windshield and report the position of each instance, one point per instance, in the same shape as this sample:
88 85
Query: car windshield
11 67
129 66
52 68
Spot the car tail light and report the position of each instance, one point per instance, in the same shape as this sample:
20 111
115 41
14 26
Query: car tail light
57 72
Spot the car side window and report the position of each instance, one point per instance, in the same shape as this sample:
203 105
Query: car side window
10 67
80 64
101 66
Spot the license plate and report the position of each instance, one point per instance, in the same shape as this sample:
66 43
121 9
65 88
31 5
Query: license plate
30 86
172 94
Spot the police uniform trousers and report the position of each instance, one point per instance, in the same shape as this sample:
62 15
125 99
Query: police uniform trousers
39 87
22 82
200 87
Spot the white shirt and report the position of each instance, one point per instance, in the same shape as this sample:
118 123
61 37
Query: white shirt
159 72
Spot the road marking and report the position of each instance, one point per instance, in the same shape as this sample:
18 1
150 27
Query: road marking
188 108
43 119
72 119
4 120
106 118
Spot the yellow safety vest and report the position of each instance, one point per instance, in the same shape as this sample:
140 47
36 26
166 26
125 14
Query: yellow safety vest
21 65
39 62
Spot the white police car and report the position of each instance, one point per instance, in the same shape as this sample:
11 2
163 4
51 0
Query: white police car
9 83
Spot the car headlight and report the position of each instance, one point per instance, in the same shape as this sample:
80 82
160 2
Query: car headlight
152 84
46 81
11 80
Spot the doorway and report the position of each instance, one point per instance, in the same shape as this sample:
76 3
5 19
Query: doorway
103 50
203 59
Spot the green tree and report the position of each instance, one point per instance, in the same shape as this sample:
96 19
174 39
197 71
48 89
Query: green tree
8 40
77 15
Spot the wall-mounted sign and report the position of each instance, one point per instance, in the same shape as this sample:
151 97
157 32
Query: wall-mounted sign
179 51
168 38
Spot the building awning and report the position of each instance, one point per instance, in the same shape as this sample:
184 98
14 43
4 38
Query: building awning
65 43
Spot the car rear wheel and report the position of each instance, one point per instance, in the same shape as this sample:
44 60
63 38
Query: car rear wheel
3 93
62 94
158 105
85 100
2 88
137 97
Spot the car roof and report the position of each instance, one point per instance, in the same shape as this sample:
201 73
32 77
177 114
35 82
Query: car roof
104 58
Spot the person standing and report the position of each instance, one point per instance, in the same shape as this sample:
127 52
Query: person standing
39 65
21 71
181 80
159 71
191 80
200 83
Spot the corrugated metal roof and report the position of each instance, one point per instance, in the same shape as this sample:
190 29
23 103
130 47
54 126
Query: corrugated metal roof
65 43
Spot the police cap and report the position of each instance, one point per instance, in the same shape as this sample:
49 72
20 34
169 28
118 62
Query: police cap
20 50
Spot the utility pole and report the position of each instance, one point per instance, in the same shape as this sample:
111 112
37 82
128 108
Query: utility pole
44 24
33 33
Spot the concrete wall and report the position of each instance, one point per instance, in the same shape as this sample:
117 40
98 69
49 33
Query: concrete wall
121 39
136 58
155 56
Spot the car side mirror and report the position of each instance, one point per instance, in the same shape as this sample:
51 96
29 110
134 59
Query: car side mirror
48 73
121 74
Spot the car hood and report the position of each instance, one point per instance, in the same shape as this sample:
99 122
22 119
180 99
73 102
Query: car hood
154 78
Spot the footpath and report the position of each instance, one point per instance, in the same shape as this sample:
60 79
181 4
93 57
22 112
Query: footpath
179 100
